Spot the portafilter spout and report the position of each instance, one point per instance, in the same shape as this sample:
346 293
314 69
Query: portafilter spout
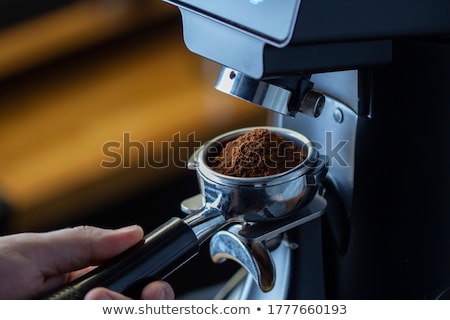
224 201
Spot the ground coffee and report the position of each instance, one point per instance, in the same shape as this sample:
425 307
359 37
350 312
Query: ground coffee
257 153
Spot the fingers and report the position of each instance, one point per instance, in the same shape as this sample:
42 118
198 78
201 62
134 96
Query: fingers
157 290
33 263
104 294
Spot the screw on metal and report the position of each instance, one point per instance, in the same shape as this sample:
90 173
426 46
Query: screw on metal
338 115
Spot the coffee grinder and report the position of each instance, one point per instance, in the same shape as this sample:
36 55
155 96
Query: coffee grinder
367 82
362 87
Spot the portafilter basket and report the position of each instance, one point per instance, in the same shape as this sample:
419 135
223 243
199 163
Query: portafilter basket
259 198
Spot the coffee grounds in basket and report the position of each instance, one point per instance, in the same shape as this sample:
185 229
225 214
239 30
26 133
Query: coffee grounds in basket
257 153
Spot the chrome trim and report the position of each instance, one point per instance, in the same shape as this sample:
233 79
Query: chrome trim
254 91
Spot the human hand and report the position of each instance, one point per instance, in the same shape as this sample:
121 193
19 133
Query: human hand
32 264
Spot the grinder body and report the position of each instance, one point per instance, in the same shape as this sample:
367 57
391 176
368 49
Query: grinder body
383 67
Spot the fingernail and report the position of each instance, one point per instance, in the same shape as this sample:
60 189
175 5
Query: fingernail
128 228
98 294
166 293
105 296
163 294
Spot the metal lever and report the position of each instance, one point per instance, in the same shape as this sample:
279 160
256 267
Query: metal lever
254 257
245 244
261 231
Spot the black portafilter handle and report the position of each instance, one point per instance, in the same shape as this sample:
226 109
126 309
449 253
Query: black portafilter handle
161 252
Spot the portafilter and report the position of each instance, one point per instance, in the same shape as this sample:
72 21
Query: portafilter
224 200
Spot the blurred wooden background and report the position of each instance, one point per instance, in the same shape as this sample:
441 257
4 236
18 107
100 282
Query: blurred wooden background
85 74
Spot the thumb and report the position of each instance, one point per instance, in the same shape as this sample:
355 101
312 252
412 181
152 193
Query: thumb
75 248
